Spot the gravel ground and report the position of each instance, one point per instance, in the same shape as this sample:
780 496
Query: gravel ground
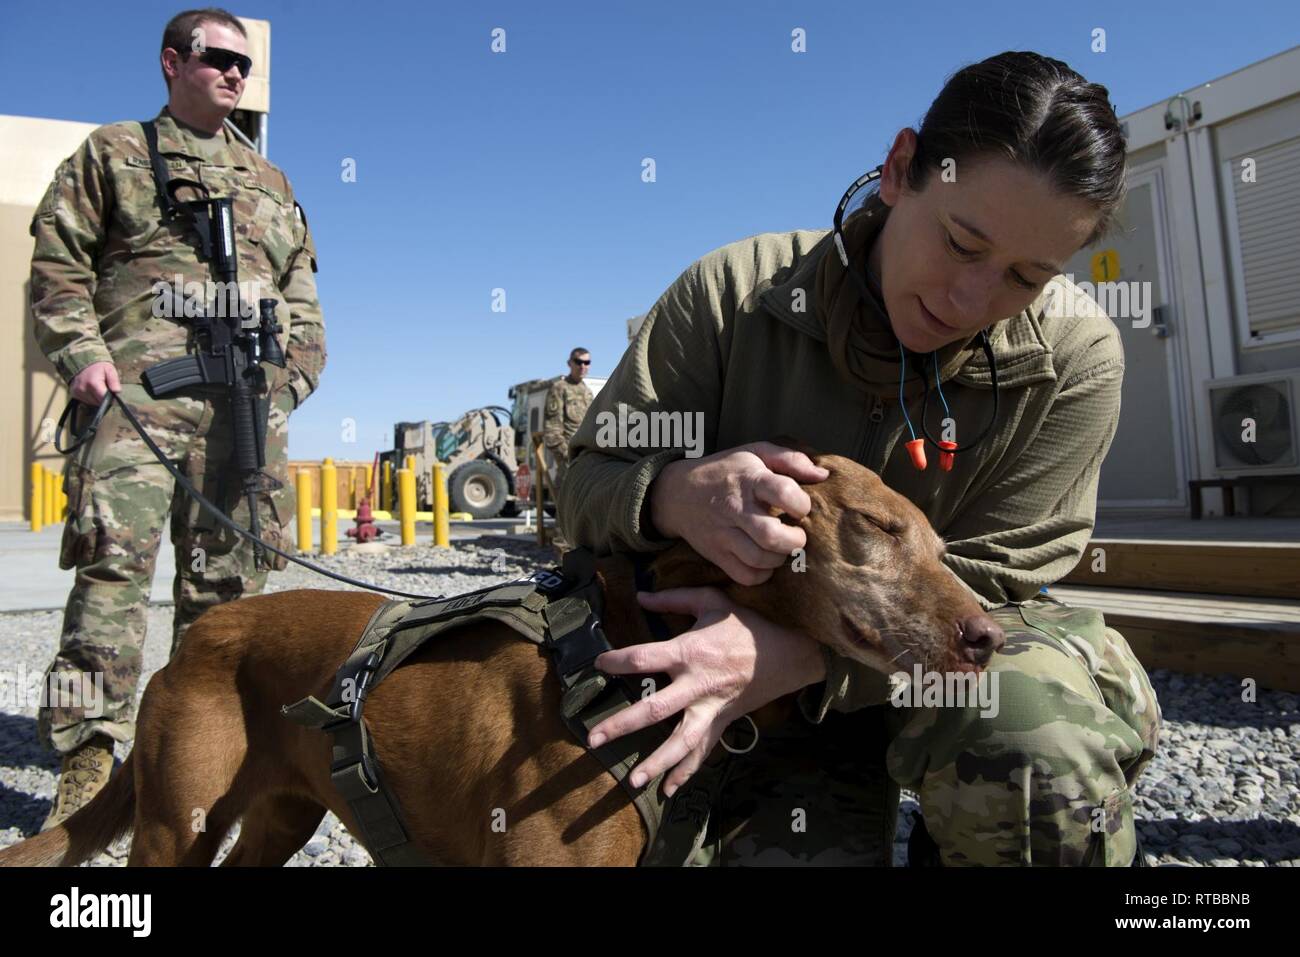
1223 791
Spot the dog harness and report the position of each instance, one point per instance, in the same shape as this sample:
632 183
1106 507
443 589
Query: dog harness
557 609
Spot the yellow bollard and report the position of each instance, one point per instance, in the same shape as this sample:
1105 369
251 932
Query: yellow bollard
49 498
303 482
386 490
38 497
329 508
441 527
406 500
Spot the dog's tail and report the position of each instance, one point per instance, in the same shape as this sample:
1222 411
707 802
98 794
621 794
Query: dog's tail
107 817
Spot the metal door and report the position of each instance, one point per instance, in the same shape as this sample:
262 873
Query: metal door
1129 273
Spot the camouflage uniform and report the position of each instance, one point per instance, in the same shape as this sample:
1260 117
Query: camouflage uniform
101 248
566 404
1047 779
1021 787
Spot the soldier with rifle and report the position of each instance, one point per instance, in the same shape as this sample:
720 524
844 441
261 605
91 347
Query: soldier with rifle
136 219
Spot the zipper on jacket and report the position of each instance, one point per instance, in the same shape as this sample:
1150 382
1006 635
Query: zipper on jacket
875 417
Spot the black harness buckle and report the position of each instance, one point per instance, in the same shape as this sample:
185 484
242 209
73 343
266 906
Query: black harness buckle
575 651
362 680
363 677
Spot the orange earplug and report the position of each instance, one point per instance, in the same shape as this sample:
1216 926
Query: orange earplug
916 449
946 457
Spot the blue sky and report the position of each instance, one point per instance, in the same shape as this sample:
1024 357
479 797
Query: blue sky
522 170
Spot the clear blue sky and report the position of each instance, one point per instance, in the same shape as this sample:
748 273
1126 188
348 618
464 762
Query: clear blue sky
523 170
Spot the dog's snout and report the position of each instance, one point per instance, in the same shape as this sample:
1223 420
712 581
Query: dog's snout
981 636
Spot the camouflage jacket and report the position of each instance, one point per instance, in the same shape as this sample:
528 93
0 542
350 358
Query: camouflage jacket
103 253
566 404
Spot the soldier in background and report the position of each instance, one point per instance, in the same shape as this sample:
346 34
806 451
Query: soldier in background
104 261
566 404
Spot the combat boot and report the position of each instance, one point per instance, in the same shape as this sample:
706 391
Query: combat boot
85 772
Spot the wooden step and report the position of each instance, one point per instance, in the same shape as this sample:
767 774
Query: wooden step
1255 569
1255 638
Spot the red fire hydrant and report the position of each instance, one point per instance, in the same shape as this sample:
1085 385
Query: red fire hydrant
365 529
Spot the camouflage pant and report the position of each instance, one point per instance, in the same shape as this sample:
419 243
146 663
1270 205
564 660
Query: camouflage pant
1046 780
561 470
118 498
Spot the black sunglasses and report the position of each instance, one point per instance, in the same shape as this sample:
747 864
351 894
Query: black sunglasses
581 362
221 60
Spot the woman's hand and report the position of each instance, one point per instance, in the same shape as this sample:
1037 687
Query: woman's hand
732 662
721 504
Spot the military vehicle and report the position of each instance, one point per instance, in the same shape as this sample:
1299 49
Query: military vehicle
477 452
481 452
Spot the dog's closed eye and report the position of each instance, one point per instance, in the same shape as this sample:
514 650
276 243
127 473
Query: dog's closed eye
864 538
892 528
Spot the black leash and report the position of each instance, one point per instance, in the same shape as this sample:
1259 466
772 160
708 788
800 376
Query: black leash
217 513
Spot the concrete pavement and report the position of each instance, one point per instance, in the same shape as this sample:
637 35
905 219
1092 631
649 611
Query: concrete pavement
31 580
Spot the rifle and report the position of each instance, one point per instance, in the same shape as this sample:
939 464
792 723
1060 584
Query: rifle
232 349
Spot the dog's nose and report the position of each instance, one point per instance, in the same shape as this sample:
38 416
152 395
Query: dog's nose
980 637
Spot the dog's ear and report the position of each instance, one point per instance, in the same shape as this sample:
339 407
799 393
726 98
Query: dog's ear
799 445
683 567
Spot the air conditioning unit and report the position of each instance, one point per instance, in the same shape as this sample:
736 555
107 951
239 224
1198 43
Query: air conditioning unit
1256 427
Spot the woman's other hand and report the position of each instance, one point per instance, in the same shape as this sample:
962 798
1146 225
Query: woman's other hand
722 506
732 662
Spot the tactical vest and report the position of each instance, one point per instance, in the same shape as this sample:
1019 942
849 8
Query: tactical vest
558 609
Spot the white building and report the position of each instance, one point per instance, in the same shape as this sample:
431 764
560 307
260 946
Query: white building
1212 222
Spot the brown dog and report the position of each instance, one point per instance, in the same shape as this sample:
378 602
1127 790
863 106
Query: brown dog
470 723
